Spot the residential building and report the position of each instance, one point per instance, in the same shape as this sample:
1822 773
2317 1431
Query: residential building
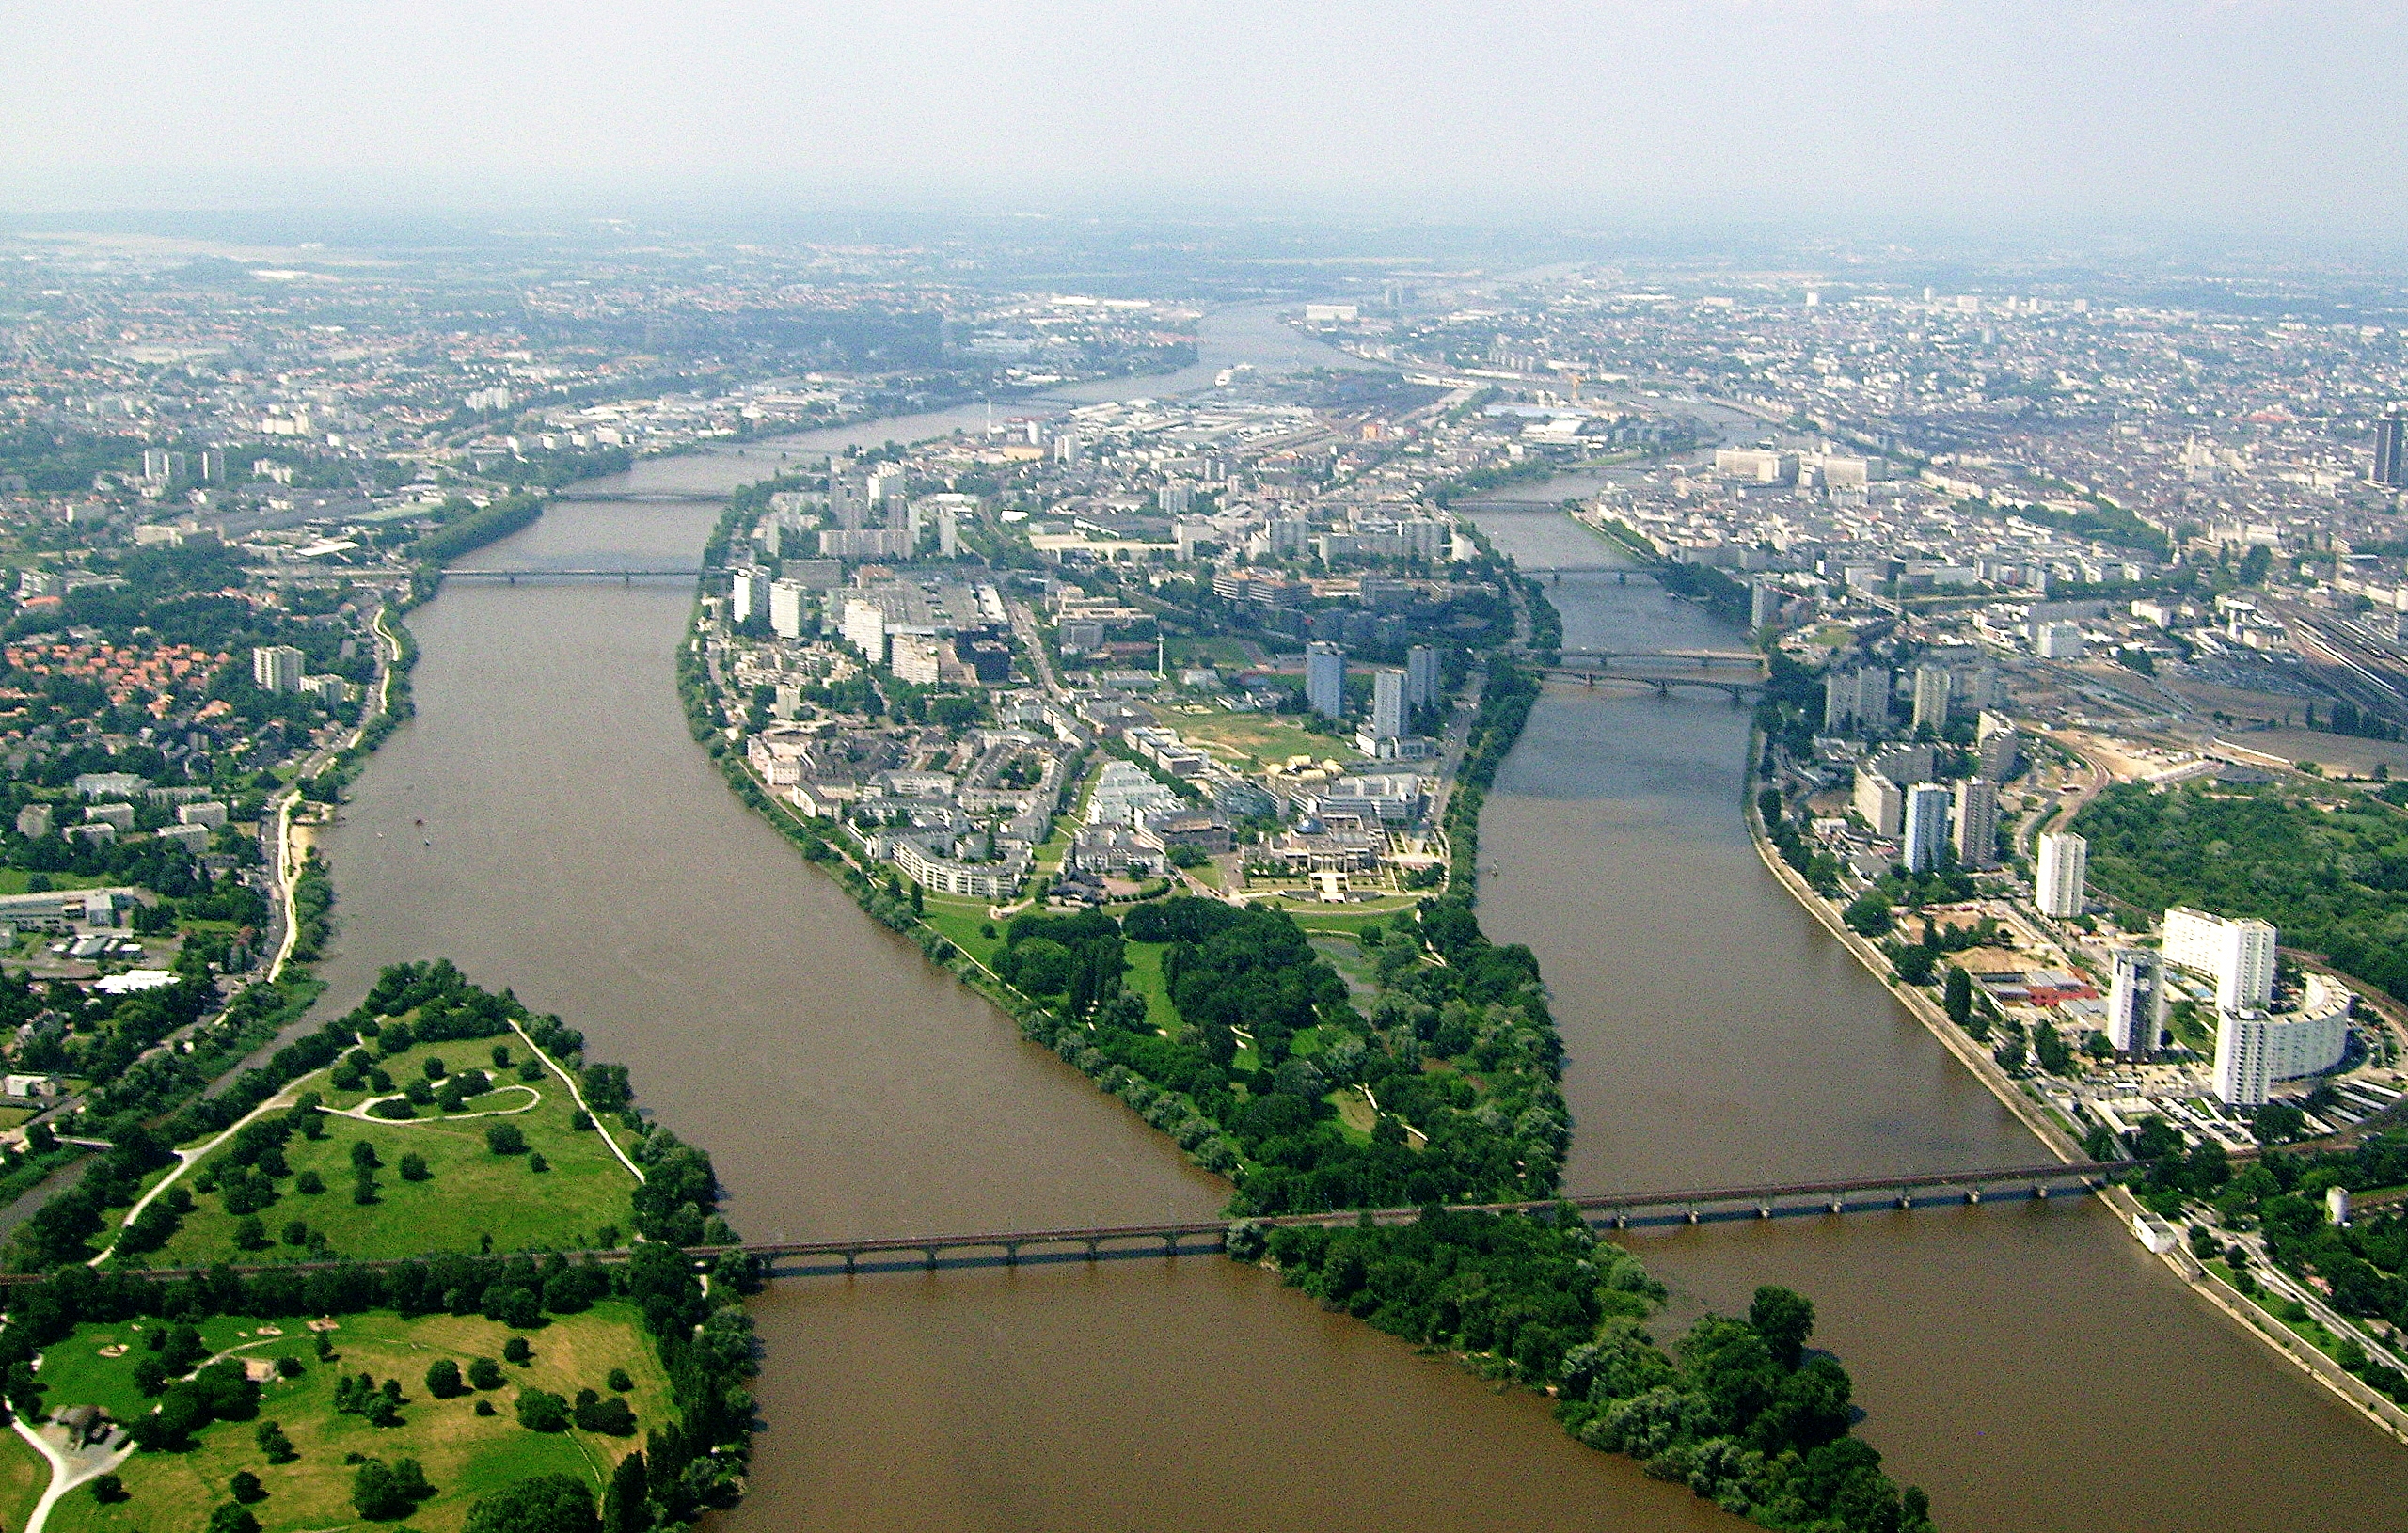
1422 677
2059 641
1871 707
2238 955
1325 679
277 668
1924 834
2390 452
2244 1054
1931 698
1880 802
1764 605
1389 714
2136 1002
748 596
2063 865
1977 828
917 659
2001 748
786 605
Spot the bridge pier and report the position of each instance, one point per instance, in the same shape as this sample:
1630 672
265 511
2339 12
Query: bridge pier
1691 1214
1663 688
1763 1210
1906 1199
2040 1191
1972 1195
1170 1245
848 1262
931 1252
1011 1253
1093 1243
1839 1205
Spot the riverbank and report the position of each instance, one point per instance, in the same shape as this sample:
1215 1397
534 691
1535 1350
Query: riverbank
2060 1142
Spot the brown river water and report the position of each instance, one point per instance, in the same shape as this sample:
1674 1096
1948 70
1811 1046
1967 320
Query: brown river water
2029 1364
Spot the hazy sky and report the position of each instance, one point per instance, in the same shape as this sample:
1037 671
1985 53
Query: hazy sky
2248 116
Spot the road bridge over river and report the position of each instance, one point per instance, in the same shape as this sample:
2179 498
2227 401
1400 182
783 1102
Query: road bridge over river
846 1256
624 576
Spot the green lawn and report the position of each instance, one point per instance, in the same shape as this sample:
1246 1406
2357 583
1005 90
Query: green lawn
959 920
465 1455
1312 916
12 880
1256 740
472 1193
23 1476
1145 976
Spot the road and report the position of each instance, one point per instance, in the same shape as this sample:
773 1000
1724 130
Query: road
2069 805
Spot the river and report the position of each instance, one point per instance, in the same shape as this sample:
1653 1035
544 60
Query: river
2028 1365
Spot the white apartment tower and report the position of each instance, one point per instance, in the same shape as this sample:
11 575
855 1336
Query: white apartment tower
2136 1002
1925 836
277 668
749 597
1325 679
785 607
2239 955
1421 676
2244 1058
1389 714
2065 863
1976 824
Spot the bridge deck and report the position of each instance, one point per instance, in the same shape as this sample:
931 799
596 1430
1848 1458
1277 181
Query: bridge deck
1194 1235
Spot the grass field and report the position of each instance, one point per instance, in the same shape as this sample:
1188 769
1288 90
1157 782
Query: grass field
23 1475
472 1193
465 1455
1145 976
1256 740
12 880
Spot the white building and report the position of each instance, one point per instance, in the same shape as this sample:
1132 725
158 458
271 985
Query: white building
1880 802
2063 865
2136 1002
918 659
787 602
1388 704
864 626
1325 679
277 668
1976 828
1924 833
2059 641
2238 955
1421 676
748 598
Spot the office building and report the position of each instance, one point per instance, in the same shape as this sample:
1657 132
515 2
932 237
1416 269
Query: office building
2063 865
1325 679
787 601
277 668
1388 715
1924 836
2238 955
2391 450
1976 828
1931 698
2136 1002
1422 677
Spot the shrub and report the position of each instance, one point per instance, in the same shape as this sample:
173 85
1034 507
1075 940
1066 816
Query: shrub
414 1168
233 1517
484 1373
607 1414
546 1503
506 1139
290 1367
387 1493
108 1488
364 1155
540 1410
443 1380
272 1440
246 1487
517 1351
309 1182
619 1381
249 1234
537 1162
484 1407
296 1232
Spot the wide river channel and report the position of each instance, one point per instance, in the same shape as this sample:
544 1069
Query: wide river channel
2027 1363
